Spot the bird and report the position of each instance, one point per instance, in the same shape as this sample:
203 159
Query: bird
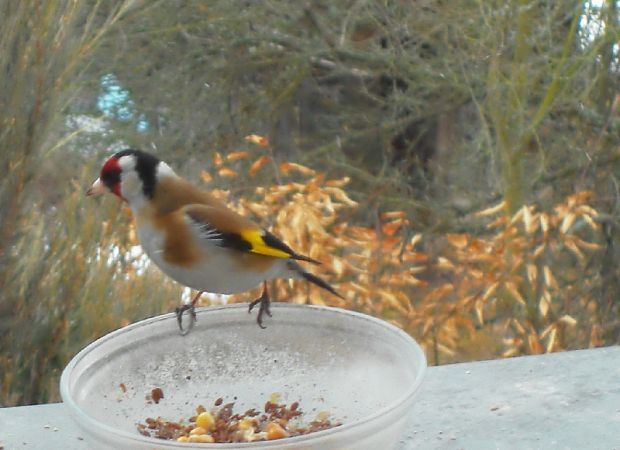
195 238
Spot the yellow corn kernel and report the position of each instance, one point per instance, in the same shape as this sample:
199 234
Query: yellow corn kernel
275 431
201 438
245 424
322 416
182 439
198 430
205 420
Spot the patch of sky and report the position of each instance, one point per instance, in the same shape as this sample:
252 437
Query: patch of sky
115 101
592 21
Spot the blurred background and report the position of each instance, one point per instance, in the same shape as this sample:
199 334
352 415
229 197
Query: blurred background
455 165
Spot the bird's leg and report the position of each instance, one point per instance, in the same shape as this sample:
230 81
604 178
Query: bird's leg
263 307
191 307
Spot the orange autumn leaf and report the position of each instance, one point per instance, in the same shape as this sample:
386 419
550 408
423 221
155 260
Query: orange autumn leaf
363 233
391 227
476 245
568 320
258 140
492 210
206 176
258 164
514 292
567 222
337 265
286 167
497 222
217 159
338 183
457 240
535 345
340 195
596 334
543 304
415 256
226 172
233 156
415 239
390 243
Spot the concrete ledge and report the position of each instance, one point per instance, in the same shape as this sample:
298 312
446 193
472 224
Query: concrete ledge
567 400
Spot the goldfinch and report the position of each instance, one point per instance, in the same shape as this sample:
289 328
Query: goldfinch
194 238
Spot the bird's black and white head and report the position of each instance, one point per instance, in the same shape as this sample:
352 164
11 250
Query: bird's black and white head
131 175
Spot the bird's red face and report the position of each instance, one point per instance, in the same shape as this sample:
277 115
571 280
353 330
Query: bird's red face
109 179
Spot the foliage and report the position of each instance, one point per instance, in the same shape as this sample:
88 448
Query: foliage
414 101
48 243
530 281
69 260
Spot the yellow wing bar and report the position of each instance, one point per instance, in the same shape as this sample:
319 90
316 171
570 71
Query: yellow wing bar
275 248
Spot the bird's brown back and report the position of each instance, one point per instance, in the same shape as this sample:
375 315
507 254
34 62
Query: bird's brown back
174 193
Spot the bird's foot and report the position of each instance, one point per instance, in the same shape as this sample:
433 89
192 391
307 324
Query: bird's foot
263 301
192 317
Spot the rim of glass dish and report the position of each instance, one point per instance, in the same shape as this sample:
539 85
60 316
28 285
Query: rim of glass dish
102 428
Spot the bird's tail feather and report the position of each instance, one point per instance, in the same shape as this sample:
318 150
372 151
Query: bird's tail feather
320 282
301 273
305 258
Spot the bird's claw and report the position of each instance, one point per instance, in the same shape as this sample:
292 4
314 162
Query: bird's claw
192 317
263 308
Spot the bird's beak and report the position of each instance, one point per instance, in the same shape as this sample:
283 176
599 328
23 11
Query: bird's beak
98 188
